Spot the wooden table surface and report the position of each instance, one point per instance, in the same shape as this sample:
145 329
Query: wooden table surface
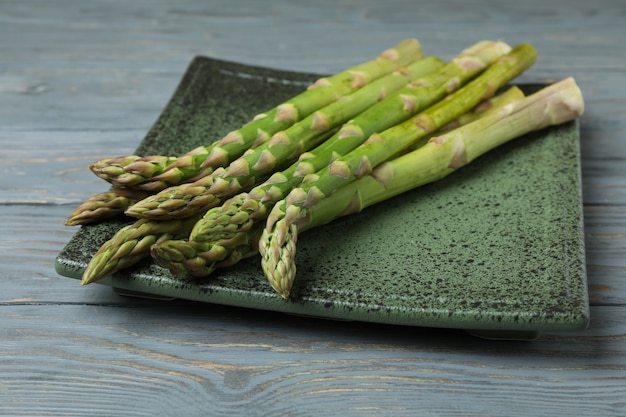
84 79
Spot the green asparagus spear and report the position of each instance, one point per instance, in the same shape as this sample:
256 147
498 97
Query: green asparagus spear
280 232
154 173
236 231
239 212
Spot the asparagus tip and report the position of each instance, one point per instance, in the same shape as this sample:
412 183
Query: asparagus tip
278 252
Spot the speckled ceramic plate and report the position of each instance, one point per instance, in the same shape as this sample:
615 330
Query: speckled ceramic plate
496 247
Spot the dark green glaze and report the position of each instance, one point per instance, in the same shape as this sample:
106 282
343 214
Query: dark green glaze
496 246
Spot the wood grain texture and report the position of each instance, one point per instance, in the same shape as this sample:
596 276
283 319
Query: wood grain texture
80 80
185 358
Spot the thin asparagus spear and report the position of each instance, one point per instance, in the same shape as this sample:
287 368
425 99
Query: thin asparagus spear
241 211
103 205
209 191
281 227
154 173
484 108
235 234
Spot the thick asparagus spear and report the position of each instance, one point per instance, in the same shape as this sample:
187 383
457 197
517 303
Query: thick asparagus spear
281 228
153 173
210 191
235 232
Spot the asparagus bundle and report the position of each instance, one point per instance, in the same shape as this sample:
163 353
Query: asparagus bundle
98 267
442 155
208 192
238 212
234 233
282 221
153 173
325 196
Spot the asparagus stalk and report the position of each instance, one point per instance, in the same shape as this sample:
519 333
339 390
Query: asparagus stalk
103 205
239 212
188 199
208 192
235 232
154 173
280 232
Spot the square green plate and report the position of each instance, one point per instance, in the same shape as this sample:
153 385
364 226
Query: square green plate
496 248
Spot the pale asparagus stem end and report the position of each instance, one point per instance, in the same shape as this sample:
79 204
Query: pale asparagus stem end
410 46
485 51
287 112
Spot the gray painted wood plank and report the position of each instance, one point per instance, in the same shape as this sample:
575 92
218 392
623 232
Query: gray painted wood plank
183 361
